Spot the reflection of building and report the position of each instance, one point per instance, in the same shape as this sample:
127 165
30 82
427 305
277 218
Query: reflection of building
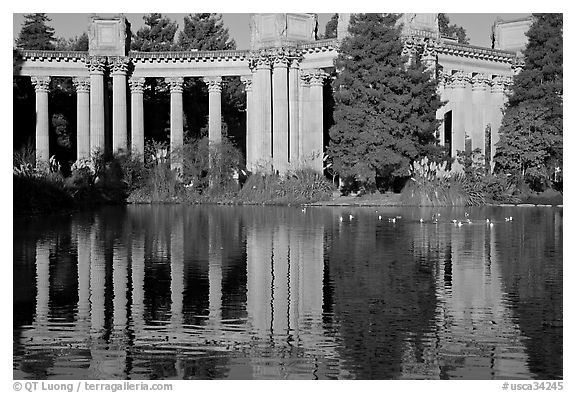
475 328
273 313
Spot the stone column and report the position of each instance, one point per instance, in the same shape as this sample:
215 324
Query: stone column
96 66
294 111
498 99
479 85
41 86
250 126
176 122
442 93
280 140
303 126
119 109
137 117
459 83
315 131
82 86
263 121
214 108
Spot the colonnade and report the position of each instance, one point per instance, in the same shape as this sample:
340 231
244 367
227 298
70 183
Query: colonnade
476 101
284 110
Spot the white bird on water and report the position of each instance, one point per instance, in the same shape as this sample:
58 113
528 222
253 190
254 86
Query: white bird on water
392 219
341 219
491 224
379 217
350 217
421 221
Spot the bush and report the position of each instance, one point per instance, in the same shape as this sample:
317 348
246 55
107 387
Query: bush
432 184
298 186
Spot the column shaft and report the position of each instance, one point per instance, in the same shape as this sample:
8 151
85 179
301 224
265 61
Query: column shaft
176 122
214 109
41 85
264 120
250 126
82 86
137 115
97 135
316 122
280 138
294 113
119 113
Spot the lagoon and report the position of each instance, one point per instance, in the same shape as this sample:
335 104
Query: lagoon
257 292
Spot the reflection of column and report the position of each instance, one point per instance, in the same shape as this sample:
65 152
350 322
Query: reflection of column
83 250
97 135
258 296
119 279
137 311
250 126
214 270
176 121
82 86
41 86
137 117
214 108
177 272
97 280
311 274
281 290
294 110
42 282
119 108
294 288
280 141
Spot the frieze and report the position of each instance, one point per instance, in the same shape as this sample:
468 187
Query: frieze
465 50
82 85
41 83
50 55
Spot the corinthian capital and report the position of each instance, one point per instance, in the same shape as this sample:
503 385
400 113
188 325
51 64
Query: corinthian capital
137 85
247 81
260 59
119 64
41 83
480 81
96 64
316 77
175 84
82 85
459 79
214 83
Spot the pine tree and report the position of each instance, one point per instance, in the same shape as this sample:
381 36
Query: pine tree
156 35
331 30
451 30
35 34
205 32
530 146
384 111
73 44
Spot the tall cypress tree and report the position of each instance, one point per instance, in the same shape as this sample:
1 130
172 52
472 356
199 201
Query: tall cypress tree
385 111
205 32
35 33
157 34
530 146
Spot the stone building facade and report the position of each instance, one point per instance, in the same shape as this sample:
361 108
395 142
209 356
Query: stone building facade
283 73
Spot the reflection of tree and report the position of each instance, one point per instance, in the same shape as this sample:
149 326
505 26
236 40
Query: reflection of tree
532 275
379 303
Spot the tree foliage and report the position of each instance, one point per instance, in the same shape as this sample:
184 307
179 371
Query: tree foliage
331 30
384 110
205 32
530 146
156 35
78 43
35 33
451 30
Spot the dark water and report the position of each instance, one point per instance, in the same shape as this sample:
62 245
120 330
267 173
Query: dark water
144 292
